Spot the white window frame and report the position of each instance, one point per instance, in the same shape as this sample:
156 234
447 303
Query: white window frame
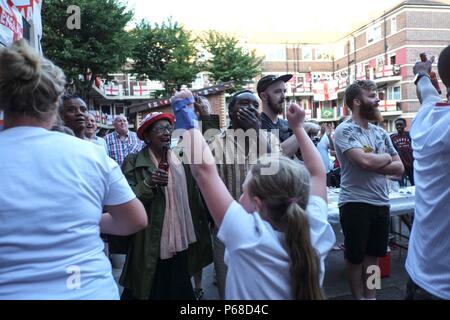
391 92
372 35
307 50
394 28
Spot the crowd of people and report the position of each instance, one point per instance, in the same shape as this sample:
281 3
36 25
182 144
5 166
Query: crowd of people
252 198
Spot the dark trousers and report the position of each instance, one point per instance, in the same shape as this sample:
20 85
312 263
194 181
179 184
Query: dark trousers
170 282
414 292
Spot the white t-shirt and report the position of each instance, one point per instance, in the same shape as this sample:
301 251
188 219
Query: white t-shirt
323 146
428 260
258 264
52 190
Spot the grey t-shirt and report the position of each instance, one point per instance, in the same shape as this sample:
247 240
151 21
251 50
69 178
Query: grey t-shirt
357 184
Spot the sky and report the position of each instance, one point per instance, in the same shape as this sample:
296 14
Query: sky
312 21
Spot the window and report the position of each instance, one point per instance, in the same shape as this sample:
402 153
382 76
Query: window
307 53
274 52
393 59
351 45
373 33
380 62
394 93
119 111
393 25
322 54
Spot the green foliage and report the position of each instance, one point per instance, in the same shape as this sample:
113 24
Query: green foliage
166 53
229 61
101 45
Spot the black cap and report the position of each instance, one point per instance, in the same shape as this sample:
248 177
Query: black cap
266 81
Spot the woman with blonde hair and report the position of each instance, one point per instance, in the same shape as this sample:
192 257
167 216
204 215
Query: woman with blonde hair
52 191
278 236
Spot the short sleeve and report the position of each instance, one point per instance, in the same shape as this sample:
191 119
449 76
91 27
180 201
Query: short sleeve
238 227
389 145
321 233
118 190
345 139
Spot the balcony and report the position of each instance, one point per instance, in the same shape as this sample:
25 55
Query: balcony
389 106
385 71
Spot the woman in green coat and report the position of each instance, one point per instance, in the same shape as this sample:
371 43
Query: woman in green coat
176 243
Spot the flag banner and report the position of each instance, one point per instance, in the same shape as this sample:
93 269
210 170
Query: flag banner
111 90
141 90
325 91
11 28
385 71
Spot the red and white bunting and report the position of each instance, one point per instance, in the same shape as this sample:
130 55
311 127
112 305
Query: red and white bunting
343 83
325 91
385 71
11 28
25 7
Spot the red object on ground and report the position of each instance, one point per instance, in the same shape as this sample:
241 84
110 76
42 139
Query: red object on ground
385 265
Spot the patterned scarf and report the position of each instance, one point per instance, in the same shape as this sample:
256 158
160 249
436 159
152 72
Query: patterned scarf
178 229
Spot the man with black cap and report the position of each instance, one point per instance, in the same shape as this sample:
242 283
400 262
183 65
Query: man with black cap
240 147
272 91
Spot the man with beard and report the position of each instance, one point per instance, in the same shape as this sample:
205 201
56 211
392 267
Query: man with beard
235 151
73 111
366 156
272 91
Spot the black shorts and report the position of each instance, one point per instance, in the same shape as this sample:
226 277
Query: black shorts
366 230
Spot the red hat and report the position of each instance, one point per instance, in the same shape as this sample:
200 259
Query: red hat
150 119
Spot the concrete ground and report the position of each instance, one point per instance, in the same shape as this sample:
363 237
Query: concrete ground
335 283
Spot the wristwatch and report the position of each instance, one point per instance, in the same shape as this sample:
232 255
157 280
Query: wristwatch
419 76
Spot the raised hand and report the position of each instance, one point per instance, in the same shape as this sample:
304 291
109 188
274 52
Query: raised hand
295 115
249 118
202 105
159 178
424 66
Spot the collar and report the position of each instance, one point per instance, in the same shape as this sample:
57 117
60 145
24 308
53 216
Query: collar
143 159
442 104
265 117
118 135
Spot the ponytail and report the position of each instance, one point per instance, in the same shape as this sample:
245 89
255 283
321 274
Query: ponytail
305 267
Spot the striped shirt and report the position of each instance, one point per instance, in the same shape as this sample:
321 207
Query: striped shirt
233 165
118 149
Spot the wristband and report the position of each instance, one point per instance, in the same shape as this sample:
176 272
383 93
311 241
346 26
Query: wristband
185 116
419 76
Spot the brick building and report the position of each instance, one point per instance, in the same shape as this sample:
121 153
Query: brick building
384 50
214 94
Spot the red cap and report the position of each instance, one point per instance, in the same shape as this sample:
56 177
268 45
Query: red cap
150 119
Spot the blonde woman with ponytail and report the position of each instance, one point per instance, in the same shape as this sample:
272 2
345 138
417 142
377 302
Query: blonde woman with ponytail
53 188
278 236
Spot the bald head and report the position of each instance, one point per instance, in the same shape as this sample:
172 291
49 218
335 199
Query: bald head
120 124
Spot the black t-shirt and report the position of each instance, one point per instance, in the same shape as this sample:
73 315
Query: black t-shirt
282 126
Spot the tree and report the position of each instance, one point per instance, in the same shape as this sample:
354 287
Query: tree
229 61
166 53
101 45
